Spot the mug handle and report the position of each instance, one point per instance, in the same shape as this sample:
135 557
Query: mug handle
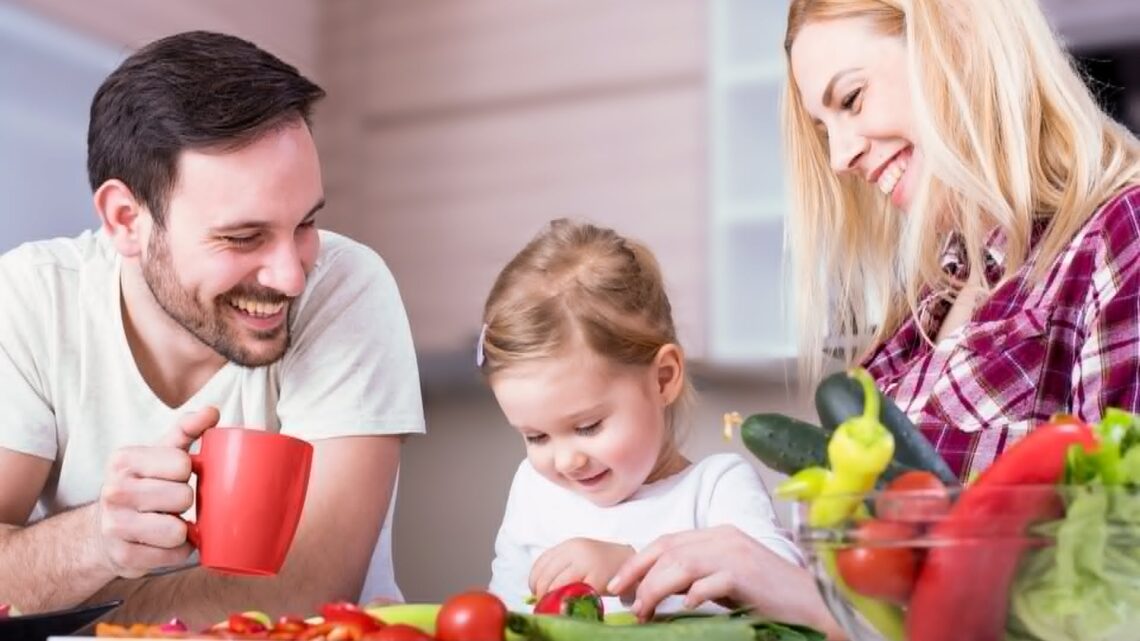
192 533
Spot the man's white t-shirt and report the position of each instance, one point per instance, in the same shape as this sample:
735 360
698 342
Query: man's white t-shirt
722 489
72 393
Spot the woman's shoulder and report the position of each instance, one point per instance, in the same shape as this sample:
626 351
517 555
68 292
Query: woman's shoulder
1115 226
1117 222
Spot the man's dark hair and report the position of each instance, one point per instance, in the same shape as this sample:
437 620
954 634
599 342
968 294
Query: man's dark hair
193 90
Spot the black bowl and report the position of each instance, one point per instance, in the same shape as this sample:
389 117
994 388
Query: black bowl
40 626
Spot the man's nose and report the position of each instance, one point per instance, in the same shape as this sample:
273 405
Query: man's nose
283 271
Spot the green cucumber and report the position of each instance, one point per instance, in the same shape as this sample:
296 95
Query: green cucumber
788 445
699 628
839 397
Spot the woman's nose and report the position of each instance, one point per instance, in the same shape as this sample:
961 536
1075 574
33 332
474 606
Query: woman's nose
846 148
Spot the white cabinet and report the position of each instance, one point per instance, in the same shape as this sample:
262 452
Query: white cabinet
751 298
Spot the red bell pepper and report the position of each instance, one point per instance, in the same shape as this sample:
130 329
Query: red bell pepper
577 600
350 614
962 591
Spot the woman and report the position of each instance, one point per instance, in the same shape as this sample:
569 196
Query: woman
956 188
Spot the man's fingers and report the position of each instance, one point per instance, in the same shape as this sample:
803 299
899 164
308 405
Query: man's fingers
149 494
133 560
190 428
163 463
149 529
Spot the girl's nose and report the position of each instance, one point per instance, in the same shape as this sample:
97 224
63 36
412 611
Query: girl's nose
570 460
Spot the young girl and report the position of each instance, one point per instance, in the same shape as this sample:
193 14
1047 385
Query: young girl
580 350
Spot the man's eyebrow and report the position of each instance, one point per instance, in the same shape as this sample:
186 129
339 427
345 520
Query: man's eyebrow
830 88
261 224
313 212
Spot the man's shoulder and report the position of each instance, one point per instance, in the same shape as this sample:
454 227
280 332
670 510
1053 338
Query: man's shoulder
56 262
340 252
71 253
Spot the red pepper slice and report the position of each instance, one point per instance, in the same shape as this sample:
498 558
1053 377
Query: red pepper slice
963 588
578 600
350 614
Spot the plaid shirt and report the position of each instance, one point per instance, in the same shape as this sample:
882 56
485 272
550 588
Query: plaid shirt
1070 344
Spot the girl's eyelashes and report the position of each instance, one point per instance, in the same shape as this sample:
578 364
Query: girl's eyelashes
534 439
849 99
587 430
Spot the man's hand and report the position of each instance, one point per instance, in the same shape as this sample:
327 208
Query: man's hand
589 560
144 491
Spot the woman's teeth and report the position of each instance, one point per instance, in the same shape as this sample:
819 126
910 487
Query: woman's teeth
257 308
890 176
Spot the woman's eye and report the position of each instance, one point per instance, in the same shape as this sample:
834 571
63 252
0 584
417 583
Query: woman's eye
589 429
849 99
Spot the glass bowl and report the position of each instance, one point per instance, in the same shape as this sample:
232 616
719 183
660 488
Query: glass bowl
1013 563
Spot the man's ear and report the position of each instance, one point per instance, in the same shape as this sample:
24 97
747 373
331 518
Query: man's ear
122 215
669 372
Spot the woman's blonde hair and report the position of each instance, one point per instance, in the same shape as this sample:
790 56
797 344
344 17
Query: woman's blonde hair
578 283
1010 135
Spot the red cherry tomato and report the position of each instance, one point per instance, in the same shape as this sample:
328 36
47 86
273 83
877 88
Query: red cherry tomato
879 565
471 616
913 497
397 632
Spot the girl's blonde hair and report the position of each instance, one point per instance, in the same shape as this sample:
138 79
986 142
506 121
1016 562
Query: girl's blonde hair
1010 135
576 282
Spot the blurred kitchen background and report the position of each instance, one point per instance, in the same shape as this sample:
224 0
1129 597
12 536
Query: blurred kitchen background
453 131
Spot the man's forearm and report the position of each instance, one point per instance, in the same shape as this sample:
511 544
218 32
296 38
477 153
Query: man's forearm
201 598
53 564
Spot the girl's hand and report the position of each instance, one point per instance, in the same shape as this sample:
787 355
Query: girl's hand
724 565
580 559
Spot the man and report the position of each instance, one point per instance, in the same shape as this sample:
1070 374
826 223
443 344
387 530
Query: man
207 297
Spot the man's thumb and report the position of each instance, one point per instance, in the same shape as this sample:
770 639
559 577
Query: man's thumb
191 427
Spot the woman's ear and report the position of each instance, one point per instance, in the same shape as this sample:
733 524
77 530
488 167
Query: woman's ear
122 216
669 372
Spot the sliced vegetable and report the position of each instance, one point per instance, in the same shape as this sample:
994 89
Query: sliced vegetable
947 603
397 632
841 396
578 600
350 614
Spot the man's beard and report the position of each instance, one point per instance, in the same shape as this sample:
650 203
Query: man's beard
210 325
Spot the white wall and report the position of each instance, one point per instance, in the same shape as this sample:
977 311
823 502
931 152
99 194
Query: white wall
48 74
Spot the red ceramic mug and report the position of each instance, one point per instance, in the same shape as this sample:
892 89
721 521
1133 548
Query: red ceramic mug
251 489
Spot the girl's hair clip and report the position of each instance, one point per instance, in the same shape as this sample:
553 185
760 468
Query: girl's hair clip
480 356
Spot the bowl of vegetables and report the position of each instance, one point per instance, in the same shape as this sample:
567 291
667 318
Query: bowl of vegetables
1044 545
981 562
